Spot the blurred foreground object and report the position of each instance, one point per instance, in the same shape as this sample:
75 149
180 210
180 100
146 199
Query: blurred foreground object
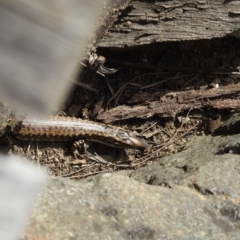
19 185
40 48
40 45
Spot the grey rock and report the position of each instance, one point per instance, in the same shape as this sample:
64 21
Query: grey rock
117 207
193 194
231 126
235 34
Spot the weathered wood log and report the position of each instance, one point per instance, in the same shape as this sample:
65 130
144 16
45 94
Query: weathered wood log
171 104
110 13
145 22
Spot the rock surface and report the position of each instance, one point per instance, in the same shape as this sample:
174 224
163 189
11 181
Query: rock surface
193 194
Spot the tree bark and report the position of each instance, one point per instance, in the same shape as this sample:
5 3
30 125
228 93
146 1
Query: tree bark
146 22
171 104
